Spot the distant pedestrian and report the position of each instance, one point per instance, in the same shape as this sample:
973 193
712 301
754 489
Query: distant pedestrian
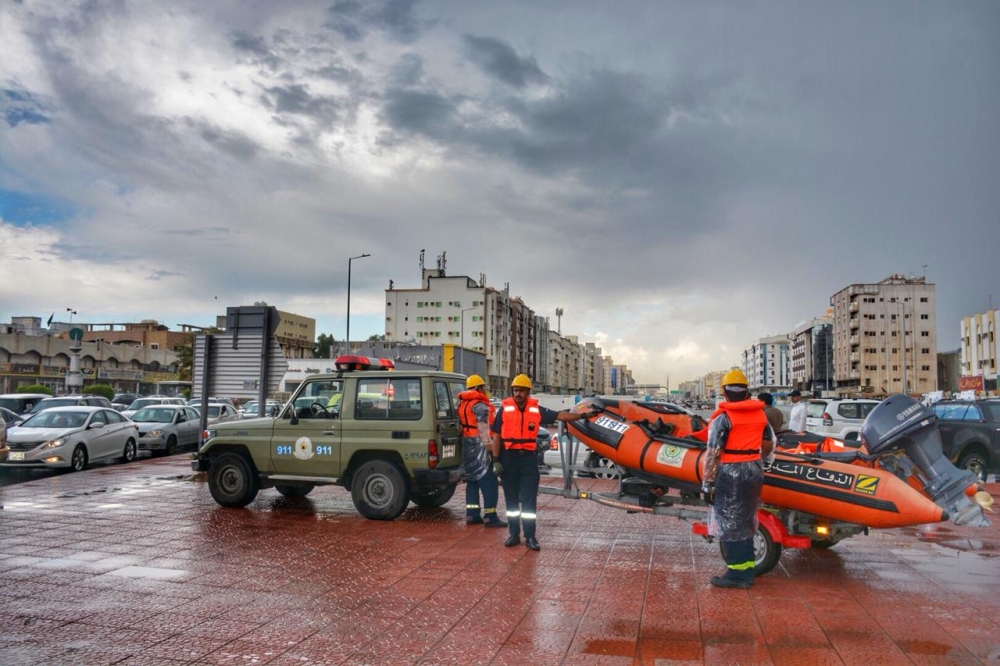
515 432
797 419
774 416
475 414
739 437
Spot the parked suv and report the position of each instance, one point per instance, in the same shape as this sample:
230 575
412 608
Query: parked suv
70 401
391 439
21 403
839 418
970 434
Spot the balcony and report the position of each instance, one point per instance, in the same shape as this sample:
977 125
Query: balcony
855 340
854 307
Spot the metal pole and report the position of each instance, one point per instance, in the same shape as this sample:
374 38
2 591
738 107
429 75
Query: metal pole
348 338
461 362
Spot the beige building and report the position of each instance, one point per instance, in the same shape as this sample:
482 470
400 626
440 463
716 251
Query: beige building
979 344
885 338
811 345
296 335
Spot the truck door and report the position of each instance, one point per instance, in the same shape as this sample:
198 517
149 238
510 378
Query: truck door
307 435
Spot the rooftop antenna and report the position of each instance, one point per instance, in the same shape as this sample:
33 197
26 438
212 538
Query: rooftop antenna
559 314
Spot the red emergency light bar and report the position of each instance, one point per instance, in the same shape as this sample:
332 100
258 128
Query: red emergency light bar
351 362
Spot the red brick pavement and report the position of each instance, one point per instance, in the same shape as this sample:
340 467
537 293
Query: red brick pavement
135 564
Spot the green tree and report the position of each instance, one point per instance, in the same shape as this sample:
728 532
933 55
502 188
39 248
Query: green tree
376 338
99 389
34 388
185 359
322 347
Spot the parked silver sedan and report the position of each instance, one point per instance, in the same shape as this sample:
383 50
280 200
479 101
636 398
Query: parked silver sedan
71 437
165 428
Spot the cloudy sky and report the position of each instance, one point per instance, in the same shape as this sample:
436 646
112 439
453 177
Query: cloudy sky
680 177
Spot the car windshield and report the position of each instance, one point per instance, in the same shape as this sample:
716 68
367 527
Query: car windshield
11 404
49 419
53 402
154 415
214 411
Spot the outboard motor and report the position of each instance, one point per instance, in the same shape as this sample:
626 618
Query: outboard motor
900 423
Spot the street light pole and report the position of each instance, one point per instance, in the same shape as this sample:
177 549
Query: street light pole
360 256
461 360
71 312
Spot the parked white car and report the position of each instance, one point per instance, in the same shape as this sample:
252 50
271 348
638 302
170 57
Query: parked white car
139 403
219 412
840 418
165 428
71 437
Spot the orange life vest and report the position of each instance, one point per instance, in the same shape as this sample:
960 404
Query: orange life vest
519 430
468 399
749 423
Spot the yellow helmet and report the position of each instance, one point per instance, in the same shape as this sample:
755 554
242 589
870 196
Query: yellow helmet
735 376
473 381
521 381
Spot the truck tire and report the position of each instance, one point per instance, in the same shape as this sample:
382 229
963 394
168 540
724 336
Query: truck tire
299 490
379 490
434 498
231 481
974 462
766 552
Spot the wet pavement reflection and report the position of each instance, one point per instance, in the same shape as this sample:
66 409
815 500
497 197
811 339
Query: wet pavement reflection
135 564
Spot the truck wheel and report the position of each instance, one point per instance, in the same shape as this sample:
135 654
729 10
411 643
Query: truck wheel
974 462
232 481
434 498
295 491
379 490
765 551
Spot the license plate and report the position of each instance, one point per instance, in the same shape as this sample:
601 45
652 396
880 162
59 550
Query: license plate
16 455
448 451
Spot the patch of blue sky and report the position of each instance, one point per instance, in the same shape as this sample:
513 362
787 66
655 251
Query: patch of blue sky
23 208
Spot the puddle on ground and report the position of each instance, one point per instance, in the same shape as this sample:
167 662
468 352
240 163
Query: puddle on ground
610 647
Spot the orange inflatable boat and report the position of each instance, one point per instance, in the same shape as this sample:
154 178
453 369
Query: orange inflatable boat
657 443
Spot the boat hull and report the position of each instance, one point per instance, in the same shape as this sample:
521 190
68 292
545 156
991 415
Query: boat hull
835 490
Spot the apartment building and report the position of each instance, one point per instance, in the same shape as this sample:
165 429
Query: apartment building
766 363
979 344
811 345
885 338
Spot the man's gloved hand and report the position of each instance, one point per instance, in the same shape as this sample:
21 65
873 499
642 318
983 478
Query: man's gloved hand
497 468
709 490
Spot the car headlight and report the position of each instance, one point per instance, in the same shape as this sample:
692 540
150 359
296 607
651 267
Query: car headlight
154 433
54 444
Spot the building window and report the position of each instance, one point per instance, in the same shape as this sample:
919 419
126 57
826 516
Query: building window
925 334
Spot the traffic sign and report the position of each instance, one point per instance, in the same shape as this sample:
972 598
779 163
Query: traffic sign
76 334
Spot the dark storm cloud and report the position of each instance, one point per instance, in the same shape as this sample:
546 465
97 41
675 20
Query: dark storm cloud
20 106
233 143
352 20
423 112
408 70
296 99
244 41
499 59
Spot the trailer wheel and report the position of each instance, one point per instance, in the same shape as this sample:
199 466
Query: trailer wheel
766 552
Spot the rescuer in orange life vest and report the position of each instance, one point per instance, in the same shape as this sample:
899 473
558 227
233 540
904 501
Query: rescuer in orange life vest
475 413
515 430
740 444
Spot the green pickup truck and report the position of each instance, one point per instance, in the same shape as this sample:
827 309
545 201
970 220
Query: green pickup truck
390 437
